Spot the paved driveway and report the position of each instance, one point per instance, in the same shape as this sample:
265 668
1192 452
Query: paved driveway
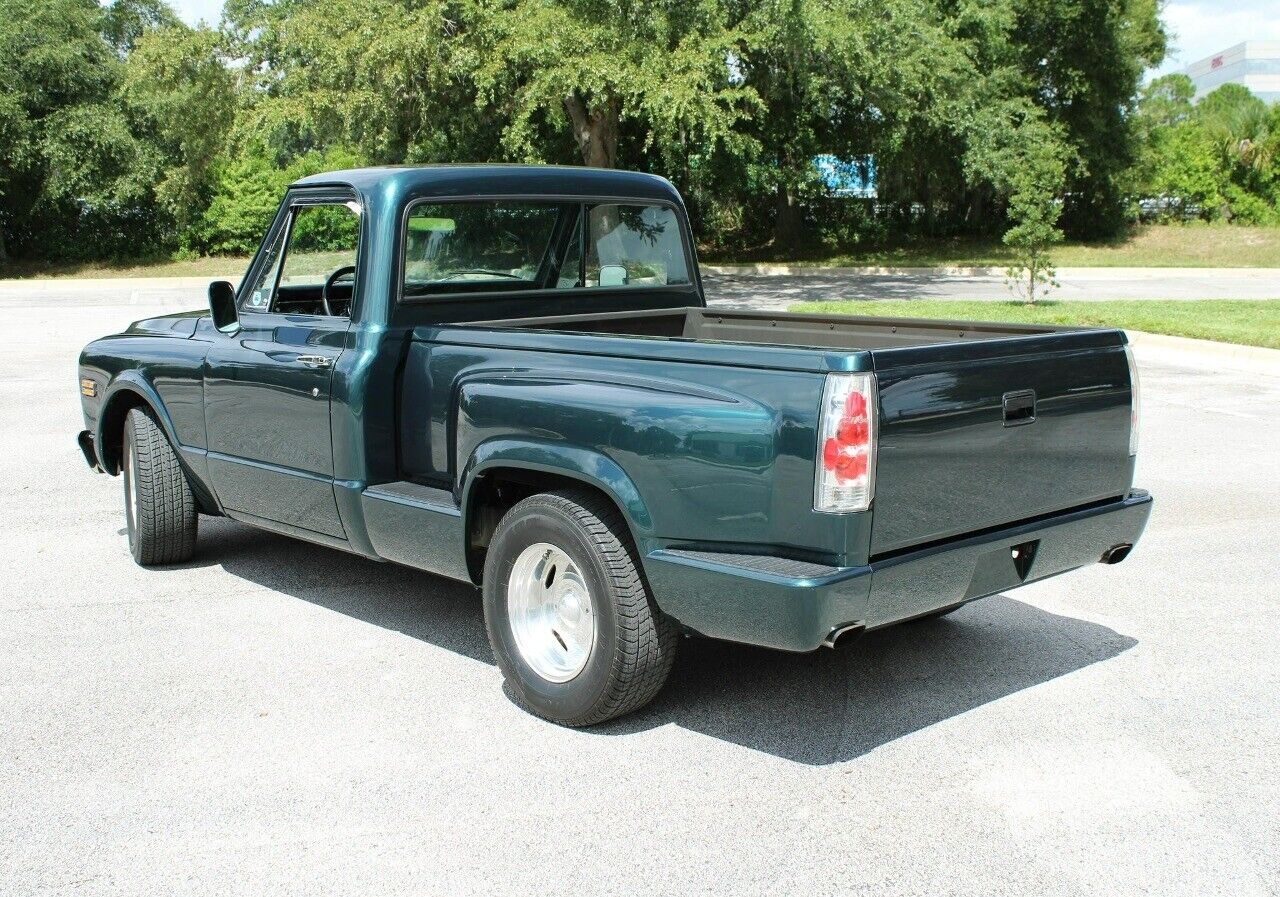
279 718
778 291
750 290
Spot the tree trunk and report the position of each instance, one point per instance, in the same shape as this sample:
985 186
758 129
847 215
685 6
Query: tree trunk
787 220
595 129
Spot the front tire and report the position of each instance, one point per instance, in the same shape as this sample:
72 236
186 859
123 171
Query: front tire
575 633
159 509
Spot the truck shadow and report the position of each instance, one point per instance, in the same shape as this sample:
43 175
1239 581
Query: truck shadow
819 708
831 706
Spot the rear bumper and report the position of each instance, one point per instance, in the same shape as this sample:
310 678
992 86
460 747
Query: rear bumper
797 606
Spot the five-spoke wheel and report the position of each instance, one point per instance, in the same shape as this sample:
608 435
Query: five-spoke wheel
549 605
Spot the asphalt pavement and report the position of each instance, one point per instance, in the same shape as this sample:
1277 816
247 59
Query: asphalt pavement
280 718
779 290
775 288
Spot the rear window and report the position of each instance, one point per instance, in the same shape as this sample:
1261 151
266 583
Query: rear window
634 246
512 246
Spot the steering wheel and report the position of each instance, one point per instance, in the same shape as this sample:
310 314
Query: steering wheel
328 284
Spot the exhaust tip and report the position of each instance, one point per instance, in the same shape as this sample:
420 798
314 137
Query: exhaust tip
1116 553
835 636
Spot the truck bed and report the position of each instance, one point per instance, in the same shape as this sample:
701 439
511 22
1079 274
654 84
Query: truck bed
981 424
780 328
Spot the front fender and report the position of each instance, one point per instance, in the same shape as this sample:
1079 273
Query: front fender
121 395
588 467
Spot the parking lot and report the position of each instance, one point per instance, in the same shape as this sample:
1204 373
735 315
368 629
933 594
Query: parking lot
280 718
744 288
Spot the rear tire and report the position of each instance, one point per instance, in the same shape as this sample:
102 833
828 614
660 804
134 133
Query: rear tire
575 633
159 509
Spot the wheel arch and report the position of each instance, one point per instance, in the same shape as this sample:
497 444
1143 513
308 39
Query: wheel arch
503 472
126 393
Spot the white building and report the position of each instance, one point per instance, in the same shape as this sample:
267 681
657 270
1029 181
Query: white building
1254 63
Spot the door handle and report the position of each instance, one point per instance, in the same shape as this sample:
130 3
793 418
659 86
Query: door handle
1019 407
315 361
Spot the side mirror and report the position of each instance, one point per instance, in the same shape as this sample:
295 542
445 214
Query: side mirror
222 302
613 275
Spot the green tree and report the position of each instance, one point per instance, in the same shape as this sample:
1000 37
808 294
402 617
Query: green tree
55 60
1163 103
1025 158
124 22
1238 124
845 77
1035 205
246 194
587 68
178 92
107 121
1083 61
1212 159
1188 177
390 78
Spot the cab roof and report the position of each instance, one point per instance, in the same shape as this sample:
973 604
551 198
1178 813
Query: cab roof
416 181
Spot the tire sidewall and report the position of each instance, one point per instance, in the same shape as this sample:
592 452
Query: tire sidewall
132 497
557 700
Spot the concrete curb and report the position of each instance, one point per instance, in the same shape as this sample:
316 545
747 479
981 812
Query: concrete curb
768 269
1204 354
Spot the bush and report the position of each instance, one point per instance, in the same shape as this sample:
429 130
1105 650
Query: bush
247 193
1250 208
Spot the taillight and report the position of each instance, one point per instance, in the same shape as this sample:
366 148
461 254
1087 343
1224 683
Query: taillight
1135 400
846 463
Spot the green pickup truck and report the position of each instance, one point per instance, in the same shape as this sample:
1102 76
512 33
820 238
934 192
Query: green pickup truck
509 376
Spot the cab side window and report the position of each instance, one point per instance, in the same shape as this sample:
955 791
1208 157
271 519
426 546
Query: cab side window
259 298
310 267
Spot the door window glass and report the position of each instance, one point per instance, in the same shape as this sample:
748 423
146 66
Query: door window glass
319 240
259 298
323 239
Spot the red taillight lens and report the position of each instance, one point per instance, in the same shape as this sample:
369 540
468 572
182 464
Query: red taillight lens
855 405
846 467
853 431
850 467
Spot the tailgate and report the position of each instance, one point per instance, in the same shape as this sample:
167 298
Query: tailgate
981 434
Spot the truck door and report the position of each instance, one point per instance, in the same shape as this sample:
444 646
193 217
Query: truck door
267 385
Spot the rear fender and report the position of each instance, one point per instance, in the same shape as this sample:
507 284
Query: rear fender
588 467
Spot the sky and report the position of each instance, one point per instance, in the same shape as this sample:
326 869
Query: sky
1201 28
192 11
1197 28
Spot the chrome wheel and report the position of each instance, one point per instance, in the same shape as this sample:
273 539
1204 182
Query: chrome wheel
549 607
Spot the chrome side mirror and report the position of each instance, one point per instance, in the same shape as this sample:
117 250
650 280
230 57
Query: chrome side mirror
222 303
